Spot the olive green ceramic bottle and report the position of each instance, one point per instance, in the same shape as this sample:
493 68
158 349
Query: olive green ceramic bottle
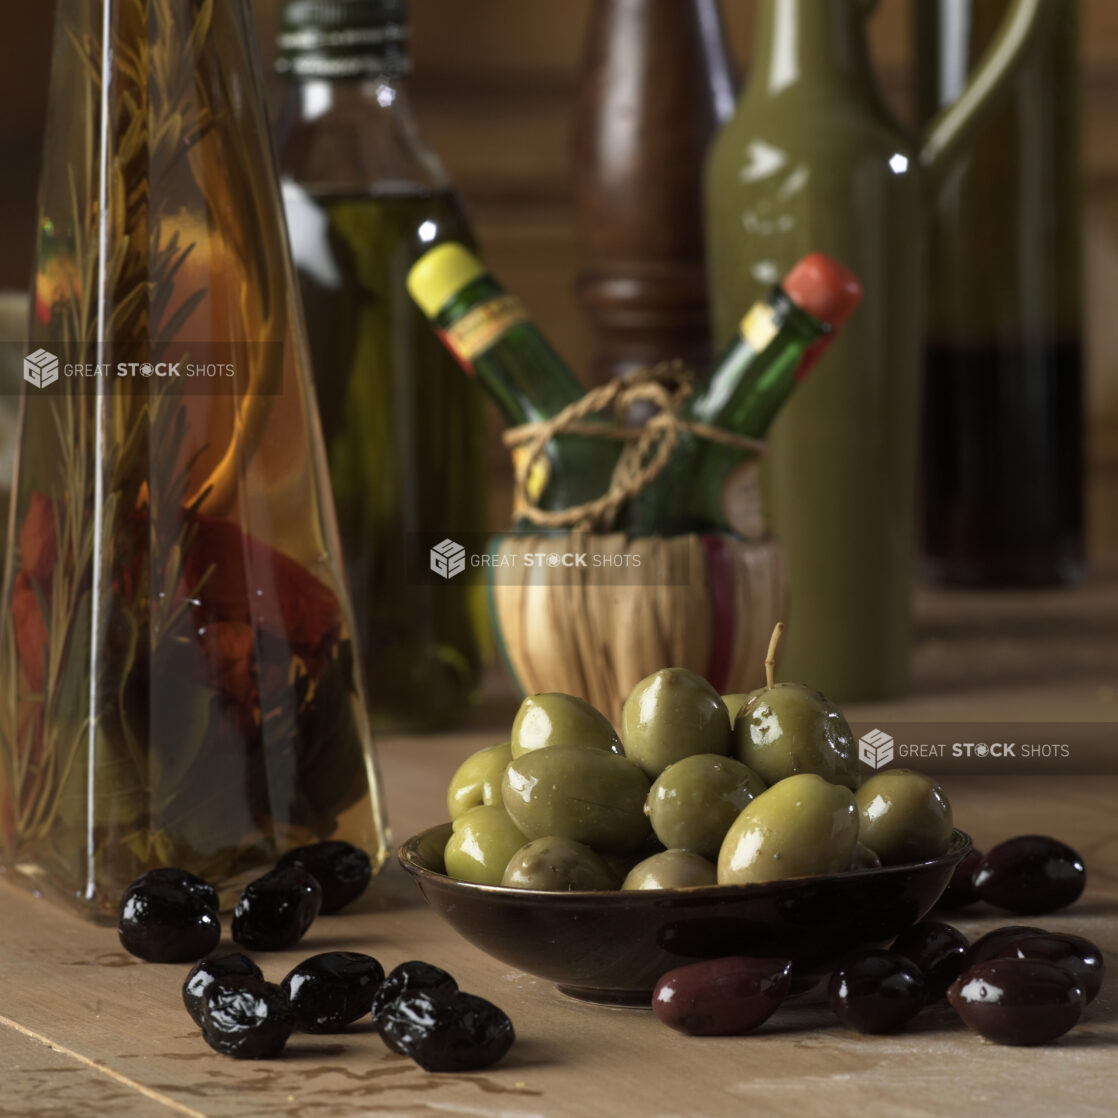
813 161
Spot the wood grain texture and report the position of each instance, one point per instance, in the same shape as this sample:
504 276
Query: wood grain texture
117 1027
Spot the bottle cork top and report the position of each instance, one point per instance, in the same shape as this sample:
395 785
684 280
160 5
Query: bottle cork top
824 288
437 276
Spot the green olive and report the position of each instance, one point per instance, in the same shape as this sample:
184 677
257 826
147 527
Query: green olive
864 858
587 795
790 729
672 714
559 865
693 802
904 816
733 703
552 718
671 869
797 828
484 840
477 780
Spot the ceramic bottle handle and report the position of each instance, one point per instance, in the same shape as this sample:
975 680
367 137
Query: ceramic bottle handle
954 126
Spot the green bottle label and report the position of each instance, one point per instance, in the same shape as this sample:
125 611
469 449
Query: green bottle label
482 327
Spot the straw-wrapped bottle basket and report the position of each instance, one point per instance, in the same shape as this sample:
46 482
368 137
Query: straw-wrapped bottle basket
707 603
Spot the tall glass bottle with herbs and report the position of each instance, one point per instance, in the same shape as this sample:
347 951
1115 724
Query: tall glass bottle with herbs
178 675
405 434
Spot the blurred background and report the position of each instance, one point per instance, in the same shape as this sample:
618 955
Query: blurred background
494 86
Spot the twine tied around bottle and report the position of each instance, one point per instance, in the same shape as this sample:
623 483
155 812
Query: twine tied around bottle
665 387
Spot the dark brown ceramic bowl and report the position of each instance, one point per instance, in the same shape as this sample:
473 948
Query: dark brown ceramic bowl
614 946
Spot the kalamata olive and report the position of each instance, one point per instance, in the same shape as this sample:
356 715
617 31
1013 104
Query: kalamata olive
939 950
1030 874
446 1030
960 889
331 990
413 975
276 910
991 944
1078 956
246 1018
165 918
877 992
203 974
341 869
721 997
1017 1001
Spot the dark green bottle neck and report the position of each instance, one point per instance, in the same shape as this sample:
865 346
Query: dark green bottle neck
815 44
751 380
527 379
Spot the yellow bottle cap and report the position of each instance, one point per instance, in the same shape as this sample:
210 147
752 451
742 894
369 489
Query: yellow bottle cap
440 274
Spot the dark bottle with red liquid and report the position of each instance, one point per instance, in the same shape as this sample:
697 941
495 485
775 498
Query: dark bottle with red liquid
1003 416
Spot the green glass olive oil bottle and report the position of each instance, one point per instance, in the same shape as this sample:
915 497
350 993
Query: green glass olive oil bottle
492 338
405 434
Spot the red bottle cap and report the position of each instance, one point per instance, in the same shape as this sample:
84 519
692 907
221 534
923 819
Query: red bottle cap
824 288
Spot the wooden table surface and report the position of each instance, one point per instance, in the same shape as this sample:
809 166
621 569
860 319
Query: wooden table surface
88 1030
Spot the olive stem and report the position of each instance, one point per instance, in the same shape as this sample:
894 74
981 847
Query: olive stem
770 656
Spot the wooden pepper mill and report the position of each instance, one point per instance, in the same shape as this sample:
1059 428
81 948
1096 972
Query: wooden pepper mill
657 82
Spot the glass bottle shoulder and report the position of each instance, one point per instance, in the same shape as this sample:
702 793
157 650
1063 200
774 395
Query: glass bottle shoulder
356 137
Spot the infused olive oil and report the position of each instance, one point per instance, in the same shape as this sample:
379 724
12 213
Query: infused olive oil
404 428
404 436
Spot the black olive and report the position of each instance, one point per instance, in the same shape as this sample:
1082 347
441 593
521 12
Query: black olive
939 950
1078 956
276 910
202 975
331 990
1031 874
246 1018
342 869
166 917
446 1030
877 992
413 975
991 945
1017 1001
183 880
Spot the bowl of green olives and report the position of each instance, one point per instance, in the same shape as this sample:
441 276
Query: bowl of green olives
705 826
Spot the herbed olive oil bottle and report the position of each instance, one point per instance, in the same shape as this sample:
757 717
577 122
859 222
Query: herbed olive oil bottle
178 665
404 432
